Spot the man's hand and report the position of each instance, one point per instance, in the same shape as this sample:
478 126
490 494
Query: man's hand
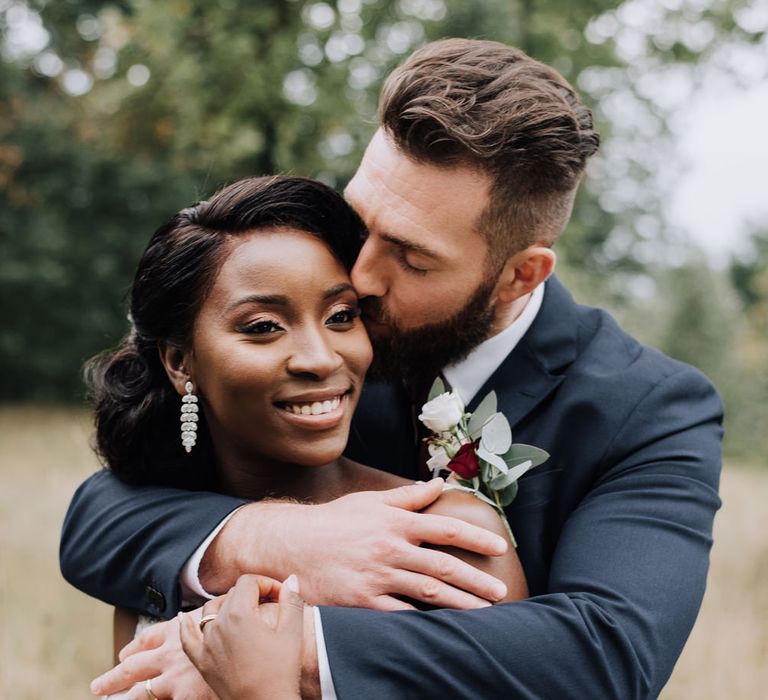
360 550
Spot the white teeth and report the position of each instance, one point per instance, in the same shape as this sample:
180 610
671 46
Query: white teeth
316 408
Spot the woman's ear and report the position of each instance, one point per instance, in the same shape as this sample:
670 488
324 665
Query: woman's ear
175 361
525 271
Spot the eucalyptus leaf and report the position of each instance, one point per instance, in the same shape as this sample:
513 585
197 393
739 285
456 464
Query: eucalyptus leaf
481 415
493 459
438 387
508 494
504 480
496 435
520 452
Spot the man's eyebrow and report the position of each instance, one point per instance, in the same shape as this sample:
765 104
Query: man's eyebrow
410 245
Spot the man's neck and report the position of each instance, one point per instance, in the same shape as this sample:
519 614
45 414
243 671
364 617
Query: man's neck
507 314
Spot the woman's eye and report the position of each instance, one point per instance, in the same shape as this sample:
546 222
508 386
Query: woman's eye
343 317
261 328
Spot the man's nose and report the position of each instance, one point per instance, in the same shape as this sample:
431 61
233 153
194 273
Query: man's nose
314 356
367 277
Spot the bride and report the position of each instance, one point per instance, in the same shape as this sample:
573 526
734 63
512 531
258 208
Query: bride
241 372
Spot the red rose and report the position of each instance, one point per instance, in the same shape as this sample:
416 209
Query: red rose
465 463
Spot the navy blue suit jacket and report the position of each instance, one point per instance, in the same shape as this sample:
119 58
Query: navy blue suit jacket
614 530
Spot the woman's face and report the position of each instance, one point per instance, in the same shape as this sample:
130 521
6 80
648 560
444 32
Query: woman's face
279 353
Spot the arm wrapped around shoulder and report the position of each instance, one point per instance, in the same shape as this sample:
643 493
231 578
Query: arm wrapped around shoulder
464 506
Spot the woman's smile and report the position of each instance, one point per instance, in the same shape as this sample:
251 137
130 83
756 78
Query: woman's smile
316 415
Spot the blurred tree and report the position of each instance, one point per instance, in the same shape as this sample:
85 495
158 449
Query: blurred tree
114 114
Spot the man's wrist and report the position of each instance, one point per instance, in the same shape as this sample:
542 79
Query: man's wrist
255 540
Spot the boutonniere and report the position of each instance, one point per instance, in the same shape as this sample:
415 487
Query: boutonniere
477 448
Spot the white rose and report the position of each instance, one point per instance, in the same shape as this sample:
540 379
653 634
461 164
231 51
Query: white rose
442 413
438 459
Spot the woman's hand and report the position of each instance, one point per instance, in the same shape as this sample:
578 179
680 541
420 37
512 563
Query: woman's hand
245 652
155 655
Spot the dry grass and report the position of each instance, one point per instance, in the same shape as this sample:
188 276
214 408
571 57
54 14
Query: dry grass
55 639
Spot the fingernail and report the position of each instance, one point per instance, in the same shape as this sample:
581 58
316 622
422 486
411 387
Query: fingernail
499 591
95 687
292 583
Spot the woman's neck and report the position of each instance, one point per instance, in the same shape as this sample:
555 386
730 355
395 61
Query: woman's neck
256 477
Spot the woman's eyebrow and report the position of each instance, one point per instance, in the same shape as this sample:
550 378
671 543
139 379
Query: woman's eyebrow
266 299
338 289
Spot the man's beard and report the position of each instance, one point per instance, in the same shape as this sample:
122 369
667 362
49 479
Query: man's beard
419 354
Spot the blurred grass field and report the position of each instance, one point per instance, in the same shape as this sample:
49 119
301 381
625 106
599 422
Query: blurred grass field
53 639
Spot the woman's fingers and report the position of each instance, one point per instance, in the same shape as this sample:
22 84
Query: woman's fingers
135 668
150 638
291 612
191 638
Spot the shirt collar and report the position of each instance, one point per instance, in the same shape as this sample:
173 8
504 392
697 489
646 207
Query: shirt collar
467 376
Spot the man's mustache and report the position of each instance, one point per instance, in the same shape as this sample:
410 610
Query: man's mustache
373 310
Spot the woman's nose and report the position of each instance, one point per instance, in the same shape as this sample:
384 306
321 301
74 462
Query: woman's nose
313 355
366 274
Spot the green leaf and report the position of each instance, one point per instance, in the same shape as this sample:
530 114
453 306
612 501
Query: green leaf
482 414
493 459
508 494
519 453
504 480
496 435
438 387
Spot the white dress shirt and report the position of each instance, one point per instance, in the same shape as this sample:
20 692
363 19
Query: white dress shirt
467 378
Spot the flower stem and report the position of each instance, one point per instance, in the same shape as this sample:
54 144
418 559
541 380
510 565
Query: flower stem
503 517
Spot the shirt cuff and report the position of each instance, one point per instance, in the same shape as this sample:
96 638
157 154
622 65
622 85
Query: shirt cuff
327 691
192 592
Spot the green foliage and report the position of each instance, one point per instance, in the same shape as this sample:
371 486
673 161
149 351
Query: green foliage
129 110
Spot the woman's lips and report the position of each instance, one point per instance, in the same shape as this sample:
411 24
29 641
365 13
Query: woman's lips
315 415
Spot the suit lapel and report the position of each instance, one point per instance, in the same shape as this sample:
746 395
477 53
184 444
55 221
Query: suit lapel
533 370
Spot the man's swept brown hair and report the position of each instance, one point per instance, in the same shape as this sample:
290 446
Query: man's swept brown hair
485 105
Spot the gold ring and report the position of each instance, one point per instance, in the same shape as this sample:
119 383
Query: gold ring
205 619
148 689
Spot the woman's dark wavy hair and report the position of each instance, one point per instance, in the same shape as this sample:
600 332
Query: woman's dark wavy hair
137 408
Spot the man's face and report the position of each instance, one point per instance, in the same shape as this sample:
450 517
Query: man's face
423 273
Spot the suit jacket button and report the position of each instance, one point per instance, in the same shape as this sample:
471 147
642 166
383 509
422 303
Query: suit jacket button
155 598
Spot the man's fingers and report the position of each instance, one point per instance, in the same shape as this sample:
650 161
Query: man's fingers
138 667
390 604
434 592
458 574
291 612
445 531
414 496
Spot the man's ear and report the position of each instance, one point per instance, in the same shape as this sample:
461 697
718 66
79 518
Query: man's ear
176 363
524 271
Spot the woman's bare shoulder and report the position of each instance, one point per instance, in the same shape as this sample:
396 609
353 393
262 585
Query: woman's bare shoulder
463 505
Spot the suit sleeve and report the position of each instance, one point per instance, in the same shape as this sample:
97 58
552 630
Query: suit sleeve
127 545
625 584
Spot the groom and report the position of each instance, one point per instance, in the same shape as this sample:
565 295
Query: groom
465 187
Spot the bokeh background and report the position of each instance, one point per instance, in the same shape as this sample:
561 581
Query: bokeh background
114 115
